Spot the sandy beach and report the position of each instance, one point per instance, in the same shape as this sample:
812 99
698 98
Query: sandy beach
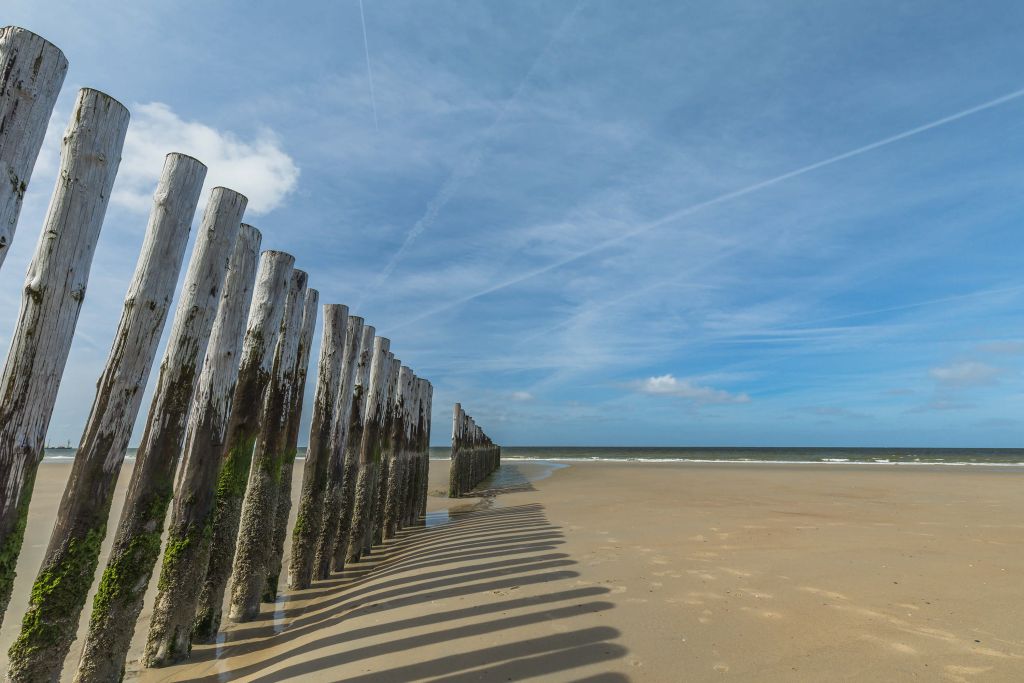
650 572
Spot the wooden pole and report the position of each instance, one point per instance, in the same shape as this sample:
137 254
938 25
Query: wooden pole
409 512
327 404
187 549
369 449
387 454
53 294
32 71
421 507
137 543
249 572
284 494
409 454
333 551
455 469
69 566
403 398
261 336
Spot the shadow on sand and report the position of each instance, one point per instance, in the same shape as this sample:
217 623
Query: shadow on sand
480 559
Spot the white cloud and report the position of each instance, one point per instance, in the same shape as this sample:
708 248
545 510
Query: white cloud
667 385
522 396
257 168
966 374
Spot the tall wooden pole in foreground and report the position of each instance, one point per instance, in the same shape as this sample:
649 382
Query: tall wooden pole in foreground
54 290
69 566
137 544
332 538
187 550
284 490
369 449
254 369
327 404
32 71
248 575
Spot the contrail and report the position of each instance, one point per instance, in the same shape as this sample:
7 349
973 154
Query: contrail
469 166
369 72
735 194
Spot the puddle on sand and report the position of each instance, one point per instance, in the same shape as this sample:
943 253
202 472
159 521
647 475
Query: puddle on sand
511 477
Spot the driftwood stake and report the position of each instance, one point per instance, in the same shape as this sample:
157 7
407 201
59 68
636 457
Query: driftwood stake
370 447
187 550
326 408
284 492
256 362
31 73
69 566
53 294
332 540
248 575
137 543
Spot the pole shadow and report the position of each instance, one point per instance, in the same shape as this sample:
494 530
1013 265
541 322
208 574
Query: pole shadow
488 596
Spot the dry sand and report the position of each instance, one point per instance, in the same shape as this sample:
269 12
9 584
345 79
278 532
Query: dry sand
653 572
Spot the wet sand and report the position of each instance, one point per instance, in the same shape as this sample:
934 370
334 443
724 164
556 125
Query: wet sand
652 572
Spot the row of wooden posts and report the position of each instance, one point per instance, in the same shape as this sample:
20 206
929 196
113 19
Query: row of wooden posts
474 455
222 429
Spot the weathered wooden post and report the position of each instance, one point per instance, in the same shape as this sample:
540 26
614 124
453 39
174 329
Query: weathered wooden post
387 455
54 291
332 540
398 456
409 496
369 449
187 550
455 469
137 543
254 369
284 493
421 503
422 453
327 402
249 573
69 566
32 71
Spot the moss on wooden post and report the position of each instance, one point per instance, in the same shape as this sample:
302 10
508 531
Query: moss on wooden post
370 447
190 530
136 546
32 71
51 300
328 405
254 369
69 566
332 539
284 492
249 571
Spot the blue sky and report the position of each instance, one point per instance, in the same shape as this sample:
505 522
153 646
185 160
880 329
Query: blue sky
595 222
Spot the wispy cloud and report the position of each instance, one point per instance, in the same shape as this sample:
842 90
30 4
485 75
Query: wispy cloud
966 374
668 385
468 166
724 198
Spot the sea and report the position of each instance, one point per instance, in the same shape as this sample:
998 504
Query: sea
954 457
